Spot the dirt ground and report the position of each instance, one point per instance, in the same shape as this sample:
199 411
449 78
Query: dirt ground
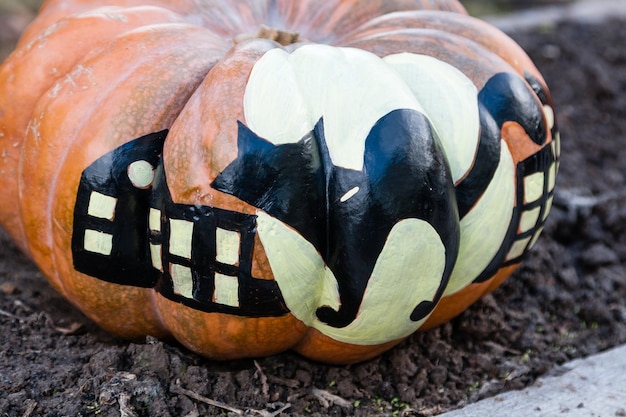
565 302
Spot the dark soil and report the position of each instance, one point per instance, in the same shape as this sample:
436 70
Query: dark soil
565 302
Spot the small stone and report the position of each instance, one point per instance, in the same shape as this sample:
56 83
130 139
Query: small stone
598 255
8 288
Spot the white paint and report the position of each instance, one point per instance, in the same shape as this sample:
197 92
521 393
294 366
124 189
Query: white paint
484 228
156 256
347 196
552 177
533 187
101 206
351 89
518 249
548 208
98 242
529 219
181 234
226 290
449 98
227 246
329 295
408 271
154 220
556 145
535 238
298 268
550 118
141 174
182 280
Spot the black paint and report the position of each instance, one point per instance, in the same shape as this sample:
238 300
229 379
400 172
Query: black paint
508 97
129 262
474 185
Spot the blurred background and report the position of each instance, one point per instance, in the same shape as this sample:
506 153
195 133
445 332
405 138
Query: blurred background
15 14
490 7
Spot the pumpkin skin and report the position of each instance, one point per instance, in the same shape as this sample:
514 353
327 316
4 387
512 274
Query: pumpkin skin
397 163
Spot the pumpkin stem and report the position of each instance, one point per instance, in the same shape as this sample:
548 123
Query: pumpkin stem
283 37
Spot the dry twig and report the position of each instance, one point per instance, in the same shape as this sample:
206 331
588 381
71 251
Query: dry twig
265 413
289 383
126 409
7 314
23 305
72 329
177 389
327 399
32 404
265 388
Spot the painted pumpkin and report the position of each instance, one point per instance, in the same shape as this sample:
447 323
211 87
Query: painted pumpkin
353 173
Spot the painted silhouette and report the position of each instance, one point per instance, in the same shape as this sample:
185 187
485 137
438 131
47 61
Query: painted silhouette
346 214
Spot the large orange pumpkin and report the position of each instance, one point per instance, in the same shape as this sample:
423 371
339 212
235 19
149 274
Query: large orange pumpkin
251 176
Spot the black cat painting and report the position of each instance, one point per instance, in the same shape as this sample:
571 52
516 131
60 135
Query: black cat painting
347 214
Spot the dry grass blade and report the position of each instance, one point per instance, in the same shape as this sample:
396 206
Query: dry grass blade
327 399
177 389
7 314
265 413
32 404
290 383
126 409
72 329
265 387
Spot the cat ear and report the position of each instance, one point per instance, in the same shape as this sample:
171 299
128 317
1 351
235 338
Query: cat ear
285 180
238 178
321 148
249 142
